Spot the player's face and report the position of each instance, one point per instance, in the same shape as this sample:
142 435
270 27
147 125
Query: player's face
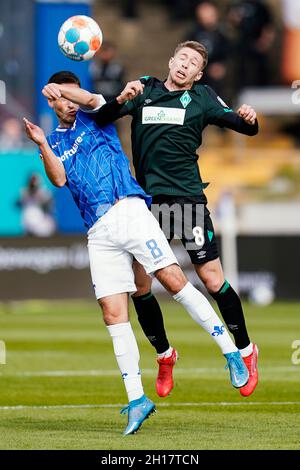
186 67
64 109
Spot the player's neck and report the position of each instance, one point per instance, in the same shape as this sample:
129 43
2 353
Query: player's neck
64 125
172 86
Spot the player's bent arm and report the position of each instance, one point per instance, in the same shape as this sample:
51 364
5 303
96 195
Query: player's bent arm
53 166
119 106
232 120
243 121
110 112
84 98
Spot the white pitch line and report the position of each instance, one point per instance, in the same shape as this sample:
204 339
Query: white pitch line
114 372
162 405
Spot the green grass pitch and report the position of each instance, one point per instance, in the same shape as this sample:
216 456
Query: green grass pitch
61 389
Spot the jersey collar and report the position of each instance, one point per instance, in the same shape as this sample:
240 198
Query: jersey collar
177 91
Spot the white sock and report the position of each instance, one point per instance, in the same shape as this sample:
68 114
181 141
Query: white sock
128 356
202 312
247 350
167 353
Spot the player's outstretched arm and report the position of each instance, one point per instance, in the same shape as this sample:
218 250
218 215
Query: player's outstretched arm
53 166
85 99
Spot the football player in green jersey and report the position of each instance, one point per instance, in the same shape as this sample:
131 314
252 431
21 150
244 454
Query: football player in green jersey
168 118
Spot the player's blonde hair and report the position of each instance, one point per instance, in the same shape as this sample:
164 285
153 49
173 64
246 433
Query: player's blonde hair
196 46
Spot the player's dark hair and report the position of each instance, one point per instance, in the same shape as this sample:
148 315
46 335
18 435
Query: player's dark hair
196 46
213 3
64 77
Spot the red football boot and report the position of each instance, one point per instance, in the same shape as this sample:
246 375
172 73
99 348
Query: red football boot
251 364
164 381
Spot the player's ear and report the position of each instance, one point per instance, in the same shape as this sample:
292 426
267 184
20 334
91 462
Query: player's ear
171 62
199 76
50 103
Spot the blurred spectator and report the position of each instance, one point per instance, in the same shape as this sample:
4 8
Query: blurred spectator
208 32
107 72
129 8
11 135
180 10
253 23
37 205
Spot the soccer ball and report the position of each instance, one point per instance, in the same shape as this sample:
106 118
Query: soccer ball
80 37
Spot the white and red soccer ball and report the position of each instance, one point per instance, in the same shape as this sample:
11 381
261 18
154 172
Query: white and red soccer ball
79 38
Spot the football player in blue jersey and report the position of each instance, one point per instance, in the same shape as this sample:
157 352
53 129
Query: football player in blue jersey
89 160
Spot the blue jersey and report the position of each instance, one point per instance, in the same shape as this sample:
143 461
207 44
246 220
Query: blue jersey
97 169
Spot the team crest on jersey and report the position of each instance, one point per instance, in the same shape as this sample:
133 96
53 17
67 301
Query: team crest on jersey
185 99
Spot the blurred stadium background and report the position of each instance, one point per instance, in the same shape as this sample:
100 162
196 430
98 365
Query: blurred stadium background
254 192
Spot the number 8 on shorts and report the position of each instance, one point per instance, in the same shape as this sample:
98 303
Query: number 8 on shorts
155 251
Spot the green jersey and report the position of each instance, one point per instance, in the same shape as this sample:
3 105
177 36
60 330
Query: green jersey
167 131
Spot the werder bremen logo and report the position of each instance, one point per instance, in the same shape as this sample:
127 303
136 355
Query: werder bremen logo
161 115
185 99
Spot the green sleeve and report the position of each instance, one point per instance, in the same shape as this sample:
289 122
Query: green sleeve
130 106
215 106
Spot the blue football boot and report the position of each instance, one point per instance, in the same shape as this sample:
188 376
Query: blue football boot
138 411
239 374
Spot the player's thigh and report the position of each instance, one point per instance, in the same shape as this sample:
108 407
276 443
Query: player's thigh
111 268
146 240
142 280
211 274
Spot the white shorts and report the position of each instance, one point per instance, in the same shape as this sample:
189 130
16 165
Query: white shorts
127 230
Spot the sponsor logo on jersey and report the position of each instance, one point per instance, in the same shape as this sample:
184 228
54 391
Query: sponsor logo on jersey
159 115
201 254
69 153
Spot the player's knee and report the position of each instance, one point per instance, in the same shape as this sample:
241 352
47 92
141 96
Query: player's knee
142 281
111 318
172 278
143 287
213 282
141 290
113 312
